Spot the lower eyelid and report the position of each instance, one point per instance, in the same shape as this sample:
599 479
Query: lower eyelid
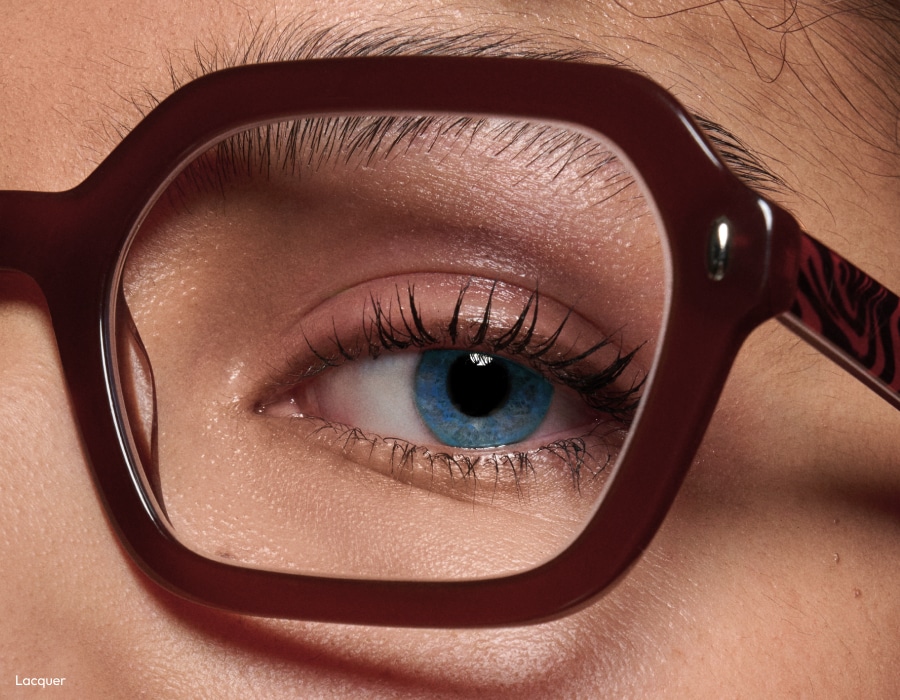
575 465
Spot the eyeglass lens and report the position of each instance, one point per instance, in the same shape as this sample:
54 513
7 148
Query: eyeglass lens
389 347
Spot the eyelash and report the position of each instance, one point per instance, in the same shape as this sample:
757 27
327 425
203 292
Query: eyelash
381 333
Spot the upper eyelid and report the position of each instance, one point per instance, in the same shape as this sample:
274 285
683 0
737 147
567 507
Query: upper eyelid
395 329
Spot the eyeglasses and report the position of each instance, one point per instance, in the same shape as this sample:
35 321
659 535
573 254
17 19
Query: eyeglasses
251 275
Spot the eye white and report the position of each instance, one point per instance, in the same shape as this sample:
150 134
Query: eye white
378 396
372 394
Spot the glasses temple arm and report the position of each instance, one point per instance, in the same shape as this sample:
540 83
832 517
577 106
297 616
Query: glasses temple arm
848 316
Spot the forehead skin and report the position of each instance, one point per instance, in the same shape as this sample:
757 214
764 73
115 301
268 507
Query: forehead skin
775 573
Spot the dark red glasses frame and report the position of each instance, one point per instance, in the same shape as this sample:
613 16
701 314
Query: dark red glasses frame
735 260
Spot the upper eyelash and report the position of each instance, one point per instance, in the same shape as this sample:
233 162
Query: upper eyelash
383 331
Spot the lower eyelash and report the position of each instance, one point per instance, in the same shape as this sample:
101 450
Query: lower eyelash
585 458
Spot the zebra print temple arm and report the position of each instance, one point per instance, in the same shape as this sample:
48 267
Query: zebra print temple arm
848 316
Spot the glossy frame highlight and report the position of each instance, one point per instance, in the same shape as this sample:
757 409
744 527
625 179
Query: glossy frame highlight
735 260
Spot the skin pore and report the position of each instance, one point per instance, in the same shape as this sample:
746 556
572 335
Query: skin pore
775 572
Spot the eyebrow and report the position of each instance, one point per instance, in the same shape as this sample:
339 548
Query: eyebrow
300 40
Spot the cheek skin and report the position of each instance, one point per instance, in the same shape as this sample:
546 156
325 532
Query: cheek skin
796 532
55 542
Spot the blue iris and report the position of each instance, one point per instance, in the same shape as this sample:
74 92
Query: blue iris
470 399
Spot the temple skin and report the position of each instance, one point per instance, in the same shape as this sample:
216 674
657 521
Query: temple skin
774 574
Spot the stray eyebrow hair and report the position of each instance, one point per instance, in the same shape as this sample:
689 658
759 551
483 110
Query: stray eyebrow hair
299 40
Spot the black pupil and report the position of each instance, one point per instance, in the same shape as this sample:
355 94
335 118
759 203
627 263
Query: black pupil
478 385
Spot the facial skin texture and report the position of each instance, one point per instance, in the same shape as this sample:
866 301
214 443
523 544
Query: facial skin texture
774 574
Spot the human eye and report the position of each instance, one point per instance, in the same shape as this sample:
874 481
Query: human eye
389 347
465 396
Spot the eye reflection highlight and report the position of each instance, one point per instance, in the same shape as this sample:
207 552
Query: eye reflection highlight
472 400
